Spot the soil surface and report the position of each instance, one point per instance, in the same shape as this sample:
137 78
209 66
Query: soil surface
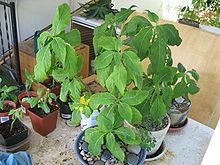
40 112
7 108
6 126
49 84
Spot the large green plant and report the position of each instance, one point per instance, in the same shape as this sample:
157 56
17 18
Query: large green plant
57 57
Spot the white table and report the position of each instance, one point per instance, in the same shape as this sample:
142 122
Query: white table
186 147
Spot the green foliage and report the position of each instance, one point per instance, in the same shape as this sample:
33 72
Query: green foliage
7 93
43 99
16 114
98 9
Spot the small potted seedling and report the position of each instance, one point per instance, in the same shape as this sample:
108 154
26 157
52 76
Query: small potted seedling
42 111
27 93
13 131
185 83
8 100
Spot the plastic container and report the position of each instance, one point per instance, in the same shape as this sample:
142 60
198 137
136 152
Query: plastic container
4 116
143 153
21 146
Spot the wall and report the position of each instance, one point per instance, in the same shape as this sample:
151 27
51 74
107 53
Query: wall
35 14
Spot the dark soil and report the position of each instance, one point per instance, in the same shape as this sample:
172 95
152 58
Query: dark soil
5 131
40 112
152 126
49 84
7 108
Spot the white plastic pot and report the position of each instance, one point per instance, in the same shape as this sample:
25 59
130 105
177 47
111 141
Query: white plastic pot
159 137
89 122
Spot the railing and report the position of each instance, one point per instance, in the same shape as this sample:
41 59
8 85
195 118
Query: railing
9 51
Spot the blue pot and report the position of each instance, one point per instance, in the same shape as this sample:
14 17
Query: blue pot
143 153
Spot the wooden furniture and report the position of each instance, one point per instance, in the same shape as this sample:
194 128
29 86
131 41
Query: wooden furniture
27 57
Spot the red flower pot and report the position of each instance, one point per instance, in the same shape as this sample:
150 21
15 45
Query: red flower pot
44 125
4 115
25 104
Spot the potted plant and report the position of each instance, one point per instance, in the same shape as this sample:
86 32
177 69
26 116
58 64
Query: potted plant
8 100
13 131
42 111
27 93
57 58
111 141
185 83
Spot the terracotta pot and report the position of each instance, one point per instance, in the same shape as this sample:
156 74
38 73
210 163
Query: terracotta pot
25 104
44 125
4 115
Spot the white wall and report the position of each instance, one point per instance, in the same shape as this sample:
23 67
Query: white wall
35 14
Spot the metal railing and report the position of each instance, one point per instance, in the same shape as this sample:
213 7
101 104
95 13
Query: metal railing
9 51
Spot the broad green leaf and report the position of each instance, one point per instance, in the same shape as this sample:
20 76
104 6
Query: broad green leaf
94 145
142 42
103 74
73 38
59 74
169 33
194 74
64 90
80 63
181 68
125 111
110 85
44 36
158 109
136 116
120 77
105 119
87 111
119 121
127 135
167 74
31 100
59 48
180 89
134 67
110 43
75 89
104 98
123 15
114 147
61 19
167 96
44 106
103 60
152 16
193 89
158 55
76 118
134 97
43 65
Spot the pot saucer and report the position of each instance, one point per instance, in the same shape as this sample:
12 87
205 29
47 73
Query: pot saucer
159 154
179 127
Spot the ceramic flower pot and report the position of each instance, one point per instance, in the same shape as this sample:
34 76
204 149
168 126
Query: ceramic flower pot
26 105
76 149
159 137
44 125
4 115
178 112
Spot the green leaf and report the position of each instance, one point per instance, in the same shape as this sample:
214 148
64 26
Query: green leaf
94 145
110 43
73 38
127 135
158 55
125 111
59 74
152 16
134 67
59 48
180 89
104 98
42 40
64 90
169 33
181 68
167 74
193 89
110 85
142 42
44 106
103 60
134 97
158 109
194 74
76 118
75 89
103 75
105 119
33 101
120 77
136 117
123 15
61 19
43 65
114 147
